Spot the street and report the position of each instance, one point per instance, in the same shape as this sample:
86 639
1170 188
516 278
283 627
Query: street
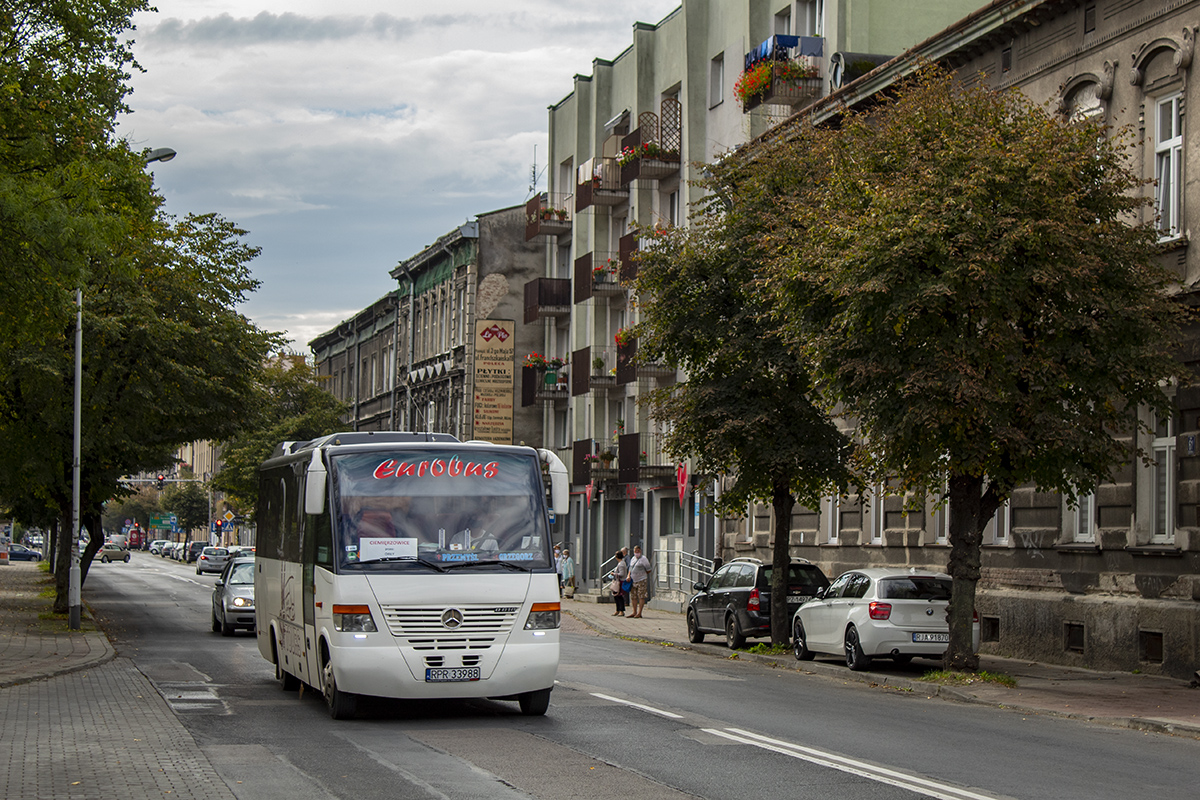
626 718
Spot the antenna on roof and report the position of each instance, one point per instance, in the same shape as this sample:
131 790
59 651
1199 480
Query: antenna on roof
534 175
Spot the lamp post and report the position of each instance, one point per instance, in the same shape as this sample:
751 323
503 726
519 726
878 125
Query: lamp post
74 574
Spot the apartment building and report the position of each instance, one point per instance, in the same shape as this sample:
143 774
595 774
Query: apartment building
625 146
1114 582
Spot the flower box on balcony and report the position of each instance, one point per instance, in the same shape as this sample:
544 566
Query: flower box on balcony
785 83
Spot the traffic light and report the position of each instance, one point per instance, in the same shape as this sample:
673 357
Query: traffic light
217 526
159 483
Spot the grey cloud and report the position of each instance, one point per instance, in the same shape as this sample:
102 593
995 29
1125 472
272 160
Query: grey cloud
266 28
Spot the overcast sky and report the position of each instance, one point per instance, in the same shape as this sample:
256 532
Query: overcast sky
348 136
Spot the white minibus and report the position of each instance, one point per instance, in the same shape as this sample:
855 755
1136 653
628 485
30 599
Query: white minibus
409 565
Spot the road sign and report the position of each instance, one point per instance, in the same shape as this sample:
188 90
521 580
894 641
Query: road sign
229 516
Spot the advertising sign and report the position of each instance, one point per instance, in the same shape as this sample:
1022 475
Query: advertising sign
495 371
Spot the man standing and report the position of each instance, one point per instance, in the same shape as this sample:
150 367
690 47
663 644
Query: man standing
639 573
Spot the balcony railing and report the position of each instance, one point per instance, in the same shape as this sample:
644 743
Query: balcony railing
640 456
787 85
626 247
601 186
547 297
547 215
544 386
596 274
592 370
652 152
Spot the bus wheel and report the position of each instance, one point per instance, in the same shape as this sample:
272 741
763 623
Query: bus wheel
534 704
341 705
286 680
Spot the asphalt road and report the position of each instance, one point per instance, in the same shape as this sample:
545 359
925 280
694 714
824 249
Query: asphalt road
627 720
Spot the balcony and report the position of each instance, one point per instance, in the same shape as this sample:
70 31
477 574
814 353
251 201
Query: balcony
591 372
652 152
640 457
596 276
602 186
630 368
547 215
626 247
544 386
547 297
782 71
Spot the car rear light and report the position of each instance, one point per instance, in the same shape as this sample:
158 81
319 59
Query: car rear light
752 603
975 616
879 610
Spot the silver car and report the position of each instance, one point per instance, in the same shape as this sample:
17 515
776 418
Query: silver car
211 559
233 597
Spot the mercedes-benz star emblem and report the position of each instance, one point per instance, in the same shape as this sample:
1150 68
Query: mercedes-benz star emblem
452 618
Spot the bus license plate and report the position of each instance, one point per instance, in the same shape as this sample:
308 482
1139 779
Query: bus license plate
931 637
451 674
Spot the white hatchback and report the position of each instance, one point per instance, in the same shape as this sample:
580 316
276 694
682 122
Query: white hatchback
877 612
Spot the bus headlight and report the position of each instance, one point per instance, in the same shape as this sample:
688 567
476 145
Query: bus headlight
356 619
542 616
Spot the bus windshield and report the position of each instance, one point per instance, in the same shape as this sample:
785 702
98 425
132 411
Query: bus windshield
438 509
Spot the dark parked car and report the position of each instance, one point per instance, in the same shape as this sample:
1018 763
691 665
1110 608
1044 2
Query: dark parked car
736 600
19 552
193 551
233 597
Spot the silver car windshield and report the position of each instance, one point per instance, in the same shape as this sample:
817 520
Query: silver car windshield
241 574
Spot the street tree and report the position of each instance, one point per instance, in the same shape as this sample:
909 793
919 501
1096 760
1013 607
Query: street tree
746 409
139 505
189 503
972 289
288 405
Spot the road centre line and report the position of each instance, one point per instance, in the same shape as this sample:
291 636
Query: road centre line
651 709
914 783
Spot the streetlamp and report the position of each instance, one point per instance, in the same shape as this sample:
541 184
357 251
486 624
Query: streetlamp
74 574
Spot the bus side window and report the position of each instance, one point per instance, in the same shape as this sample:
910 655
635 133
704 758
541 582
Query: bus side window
321 536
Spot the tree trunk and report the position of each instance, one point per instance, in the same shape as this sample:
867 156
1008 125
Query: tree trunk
782 503
970 510
93 521
62 562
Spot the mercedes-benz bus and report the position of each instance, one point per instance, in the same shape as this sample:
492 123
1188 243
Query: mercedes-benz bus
409 565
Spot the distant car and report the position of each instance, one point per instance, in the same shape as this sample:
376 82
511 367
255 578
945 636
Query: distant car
110 551
157 545
212 559
736 600
233 597
877 612
19 552
192 551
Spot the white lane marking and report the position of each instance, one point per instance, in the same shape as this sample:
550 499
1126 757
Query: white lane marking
651 709
880 774
185 580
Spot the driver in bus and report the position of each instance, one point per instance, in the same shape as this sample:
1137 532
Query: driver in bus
481 535
375 517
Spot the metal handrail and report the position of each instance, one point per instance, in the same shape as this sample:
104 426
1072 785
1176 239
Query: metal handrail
673 569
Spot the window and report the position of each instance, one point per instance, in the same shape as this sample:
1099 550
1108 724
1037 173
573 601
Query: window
1083 526
998 527
1089 18
673 208
1163 472
833 514
877 514
783 22
716 80
811 18
1006 59
375 378
1168 164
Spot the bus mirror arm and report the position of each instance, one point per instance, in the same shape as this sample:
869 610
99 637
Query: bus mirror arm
314 485
559 482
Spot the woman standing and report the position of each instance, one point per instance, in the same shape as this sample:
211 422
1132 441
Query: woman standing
620 572
639 573
568 573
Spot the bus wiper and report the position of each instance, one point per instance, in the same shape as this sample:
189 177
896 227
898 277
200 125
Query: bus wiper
508 564
397 559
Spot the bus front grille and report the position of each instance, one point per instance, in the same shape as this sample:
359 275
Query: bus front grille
422 628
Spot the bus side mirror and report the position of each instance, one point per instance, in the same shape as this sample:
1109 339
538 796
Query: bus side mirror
314 485
560 483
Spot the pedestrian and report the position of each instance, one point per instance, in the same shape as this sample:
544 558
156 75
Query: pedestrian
626 585
639 574
620 573
558 556
568 574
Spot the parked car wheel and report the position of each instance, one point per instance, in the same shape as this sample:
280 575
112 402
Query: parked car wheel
342 705
695 635
103 559
226 628
855 658
799 644
216 623
733 635
127 558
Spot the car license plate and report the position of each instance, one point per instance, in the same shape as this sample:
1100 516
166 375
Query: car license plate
797 598
931 637
451 674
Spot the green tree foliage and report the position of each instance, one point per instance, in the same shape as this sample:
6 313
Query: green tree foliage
968 287
189 503
746 408
137 506
288 405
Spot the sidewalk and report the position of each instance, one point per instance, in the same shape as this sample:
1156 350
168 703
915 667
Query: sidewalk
1140 702
31 647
